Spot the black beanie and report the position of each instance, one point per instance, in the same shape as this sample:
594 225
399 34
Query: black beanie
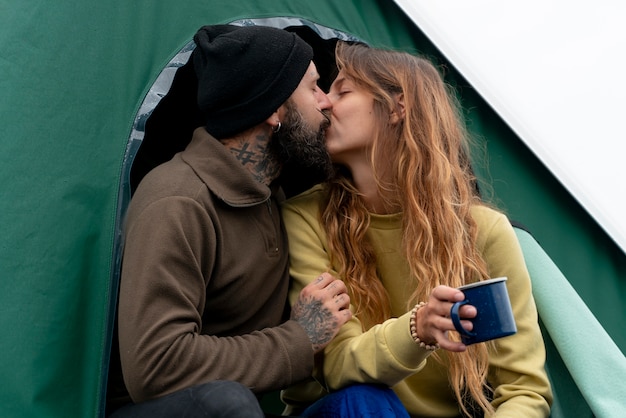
245 73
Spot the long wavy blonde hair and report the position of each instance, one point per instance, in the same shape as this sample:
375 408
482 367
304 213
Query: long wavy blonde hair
427 174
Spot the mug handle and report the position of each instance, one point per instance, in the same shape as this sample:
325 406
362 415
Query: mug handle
456 320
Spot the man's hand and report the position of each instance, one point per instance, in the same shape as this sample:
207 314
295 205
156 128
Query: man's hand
322 308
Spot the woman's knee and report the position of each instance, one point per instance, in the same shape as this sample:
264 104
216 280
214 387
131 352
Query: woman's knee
360 400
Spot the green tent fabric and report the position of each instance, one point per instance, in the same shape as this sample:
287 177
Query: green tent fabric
73 77
592 360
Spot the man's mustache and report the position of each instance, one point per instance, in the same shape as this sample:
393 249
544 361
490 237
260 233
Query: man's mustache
326 122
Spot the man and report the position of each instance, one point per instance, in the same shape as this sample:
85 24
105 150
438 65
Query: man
205 272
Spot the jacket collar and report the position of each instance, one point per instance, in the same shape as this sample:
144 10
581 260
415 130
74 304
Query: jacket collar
222 173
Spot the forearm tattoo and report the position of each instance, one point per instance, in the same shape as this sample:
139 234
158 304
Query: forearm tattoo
318 322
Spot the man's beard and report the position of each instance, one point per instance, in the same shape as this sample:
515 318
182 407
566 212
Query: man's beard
300 147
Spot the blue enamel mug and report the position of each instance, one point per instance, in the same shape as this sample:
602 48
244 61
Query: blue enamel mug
494 317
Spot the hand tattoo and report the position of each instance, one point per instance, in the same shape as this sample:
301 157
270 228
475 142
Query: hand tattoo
318 321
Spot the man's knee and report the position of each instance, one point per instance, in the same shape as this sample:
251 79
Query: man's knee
209 400
227 399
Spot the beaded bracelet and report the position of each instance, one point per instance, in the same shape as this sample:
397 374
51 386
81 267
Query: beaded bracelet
430 347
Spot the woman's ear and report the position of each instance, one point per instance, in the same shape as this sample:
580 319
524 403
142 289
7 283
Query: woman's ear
398 113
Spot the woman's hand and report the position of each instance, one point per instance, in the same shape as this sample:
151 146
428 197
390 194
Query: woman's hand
433 319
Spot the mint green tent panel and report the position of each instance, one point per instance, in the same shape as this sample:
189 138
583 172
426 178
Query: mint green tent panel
587 378
72 79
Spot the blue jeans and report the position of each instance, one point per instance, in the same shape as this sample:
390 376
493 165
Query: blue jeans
218 399
358 401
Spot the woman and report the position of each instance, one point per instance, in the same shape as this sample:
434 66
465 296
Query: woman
401 223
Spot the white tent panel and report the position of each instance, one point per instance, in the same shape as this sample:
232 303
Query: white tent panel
552 69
